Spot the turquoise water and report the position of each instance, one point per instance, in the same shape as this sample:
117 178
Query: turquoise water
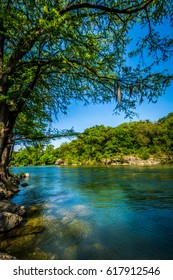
97 213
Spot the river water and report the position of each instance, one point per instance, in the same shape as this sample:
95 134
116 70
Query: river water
95 213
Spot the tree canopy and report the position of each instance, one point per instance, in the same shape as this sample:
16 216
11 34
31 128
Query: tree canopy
52 52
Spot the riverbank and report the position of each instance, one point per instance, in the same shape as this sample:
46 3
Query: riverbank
120 161
11 214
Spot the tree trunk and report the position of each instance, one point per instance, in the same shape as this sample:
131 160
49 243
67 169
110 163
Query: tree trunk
7 121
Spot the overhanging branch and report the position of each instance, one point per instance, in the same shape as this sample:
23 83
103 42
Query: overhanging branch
127 11
65 133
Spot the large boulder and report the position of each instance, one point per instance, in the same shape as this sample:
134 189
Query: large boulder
25 175
9 220
21 211
4 193
59 162
14 180
7 206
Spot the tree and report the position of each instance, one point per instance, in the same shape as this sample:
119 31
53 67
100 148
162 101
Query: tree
52 52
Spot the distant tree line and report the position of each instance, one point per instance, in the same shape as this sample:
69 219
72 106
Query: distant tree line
98 144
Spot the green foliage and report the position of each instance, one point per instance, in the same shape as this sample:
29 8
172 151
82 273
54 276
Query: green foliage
57 51
35 155
100 144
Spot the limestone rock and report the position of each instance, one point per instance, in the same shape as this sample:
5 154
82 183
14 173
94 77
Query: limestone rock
132 160
4 193
9 220
59 162
26 175
7 206
21 211
15 180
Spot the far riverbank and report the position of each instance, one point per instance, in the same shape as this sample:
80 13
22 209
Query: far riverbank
120 161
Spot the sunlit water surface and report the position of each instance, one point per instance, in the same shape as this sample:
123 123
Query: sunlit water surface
95 213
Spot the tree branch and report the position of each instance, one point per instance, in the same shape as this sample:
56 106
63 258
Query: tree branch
27 92
71 62
127 11
24 45
67 133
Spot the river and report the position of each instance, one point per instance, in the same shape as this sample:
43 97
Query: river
95 213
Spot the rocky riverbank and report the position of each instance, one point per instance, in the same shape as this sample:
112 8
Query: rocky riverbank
131 160
125 160
11 214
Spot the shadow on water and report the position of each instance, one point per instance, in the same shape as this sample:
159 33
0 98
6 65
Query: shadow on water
95 213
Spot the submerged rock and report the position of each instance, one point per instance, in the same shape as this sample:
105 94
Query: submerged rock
18 244
70 252
35 222
81 210
25 230
9 220
78 229
95 250
41 255
33 210
24 184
